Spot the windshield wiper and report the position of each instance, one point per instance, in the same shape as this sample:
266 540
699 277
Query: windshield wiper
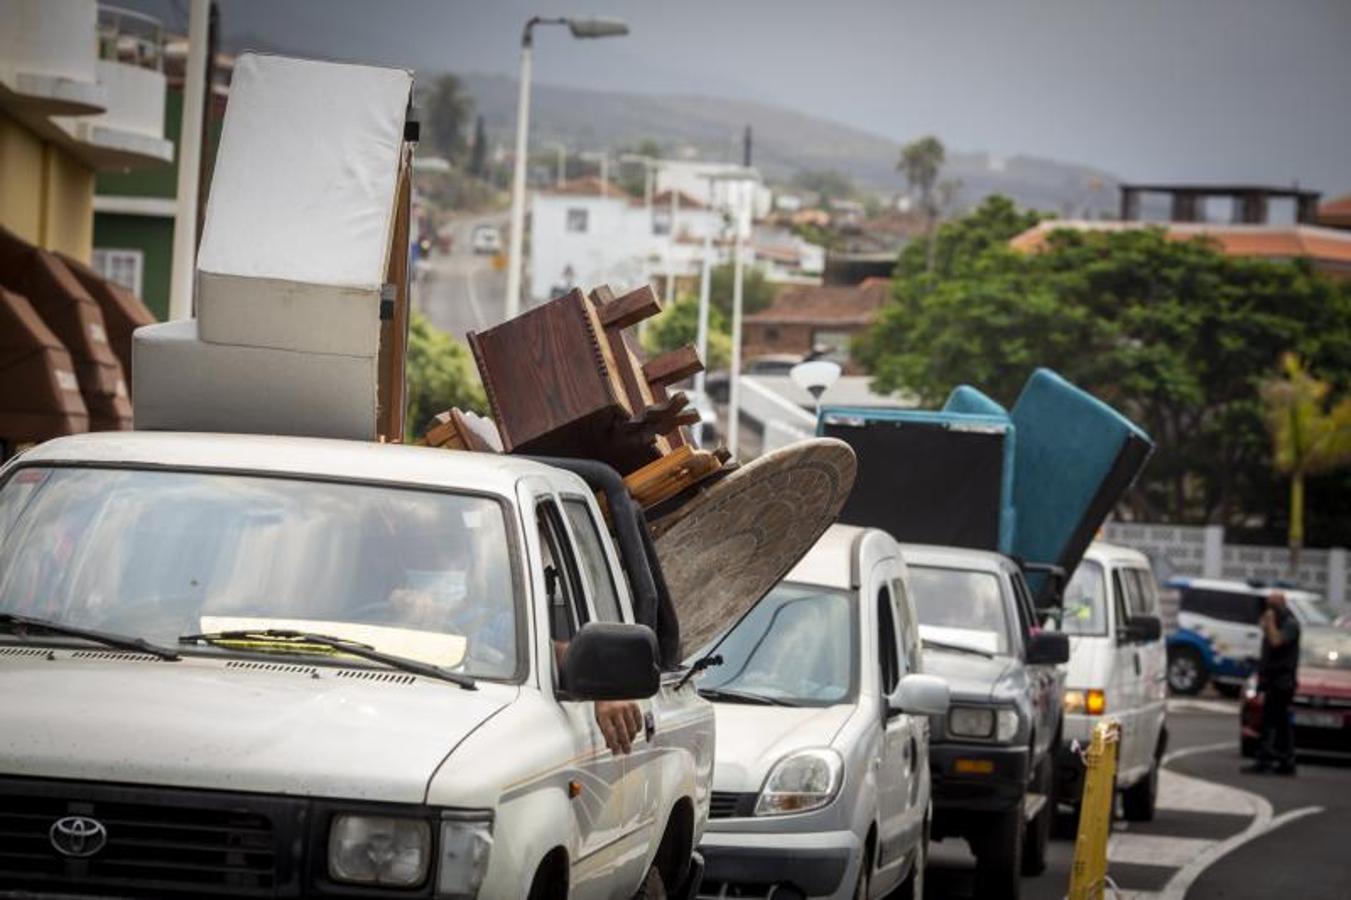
20 625
297 641
959 648
742 697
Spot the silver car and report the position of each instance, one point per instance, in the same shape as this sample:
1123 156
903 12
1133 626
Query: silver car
821 775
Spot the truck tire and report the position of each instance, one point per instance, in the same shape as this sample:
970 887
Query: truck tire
1039 828
652 888
1186 671
1000 856
1137 801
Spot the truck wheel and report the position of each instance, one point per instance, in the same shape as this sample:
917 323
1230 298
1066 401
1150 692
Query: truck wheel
1186 671
652 888
1039 829
1000 857
1137 801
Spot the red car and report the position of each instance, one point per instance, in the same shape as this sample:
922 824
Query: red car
1322 707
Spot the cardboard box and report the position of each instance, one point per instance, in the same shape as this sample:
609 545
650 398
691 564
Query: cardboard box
182 383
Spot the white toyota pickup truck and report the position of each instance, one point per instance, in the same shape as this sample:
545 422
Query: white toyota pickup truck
255 666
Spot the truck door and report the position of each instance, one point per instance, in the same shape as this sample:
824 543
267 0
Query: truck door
1153 668
641 769
1123 698
894 767
600 812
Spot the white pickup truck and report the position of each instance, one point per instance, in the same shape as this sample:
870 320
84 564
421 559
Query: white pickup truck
284 667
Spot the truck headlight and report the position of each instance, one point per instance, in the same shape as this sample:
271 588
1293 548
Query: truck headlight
983 722
380 850
466 844
804 781
1091 702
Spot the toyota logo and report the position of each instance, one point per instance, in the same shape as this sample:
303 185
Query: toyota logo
78 836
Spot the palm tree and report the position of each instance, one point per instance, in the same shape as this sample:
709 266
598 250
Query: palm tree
1309 435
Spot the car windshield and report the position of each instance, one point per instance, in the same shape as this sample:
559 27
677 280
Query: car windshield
797 645
1085 609
960 606
159 554
1311 609
1325 648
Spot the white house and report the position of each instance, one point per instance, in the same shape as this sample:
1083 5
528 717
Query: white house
587 232
729 192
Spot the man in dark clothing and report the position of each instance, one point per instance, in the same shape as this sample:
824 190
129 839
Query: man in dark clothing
1276 681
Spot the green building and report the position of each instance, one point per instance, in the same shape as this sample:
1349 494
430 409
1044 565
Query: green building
134 211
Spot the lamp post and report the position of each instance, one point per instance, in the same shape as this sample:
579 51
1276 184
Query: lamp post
744 178
580 28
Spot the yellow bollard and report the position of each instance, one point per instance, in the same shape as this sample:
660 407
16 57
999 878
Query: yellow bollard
1088 877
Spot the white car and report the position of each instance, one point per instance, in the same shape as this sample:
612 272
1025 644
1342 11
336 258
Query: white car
1118 669
487 240
821 782
302 667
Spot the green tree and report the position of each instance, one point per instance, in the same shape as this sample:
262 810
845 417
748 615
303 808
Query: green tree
1173 333
478 154
1309 436
921 162
441 374
448 111
678 325
756 292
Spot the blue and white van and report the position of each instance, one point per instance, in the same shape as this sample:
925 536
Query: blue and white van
1218 639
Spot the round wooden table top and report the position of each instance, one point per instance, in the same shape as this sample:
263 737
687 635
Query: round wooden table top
725 548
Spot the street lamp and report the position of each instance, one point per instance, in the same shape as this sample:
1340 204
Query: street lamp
815 377
741 214
580 28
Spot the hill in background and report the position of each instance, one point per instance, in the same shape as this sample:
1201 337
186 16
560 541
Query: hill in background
785 142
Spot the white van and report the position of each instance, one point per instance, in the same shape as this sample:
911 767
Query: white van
1118 670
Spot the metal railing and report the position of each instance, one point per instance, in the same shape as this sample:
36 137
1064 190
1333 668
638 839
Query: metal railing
130 37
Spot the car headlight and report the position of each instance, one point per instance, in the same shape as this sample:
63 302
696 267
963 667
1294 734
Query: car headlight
983 722
804 781
466 844
1092 702
381 850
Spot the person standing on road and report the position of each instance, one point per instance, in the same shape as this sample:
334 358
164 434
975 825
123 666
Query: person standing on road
1276 681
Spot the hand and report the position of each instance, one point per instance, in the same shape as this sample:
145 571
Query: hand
620 721
1268 618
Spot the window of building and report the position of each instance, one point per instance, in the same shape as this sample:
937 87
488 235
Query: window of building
121 266
661 221
578 219
834 343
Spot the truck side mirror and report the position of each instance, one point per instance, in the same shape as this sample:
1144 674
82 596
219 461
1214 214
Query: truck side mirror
922 695
610 661
1139 629
1048 648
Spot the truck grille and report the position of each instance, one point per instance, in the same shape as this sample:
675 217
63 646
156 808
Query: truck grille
159 842
730 805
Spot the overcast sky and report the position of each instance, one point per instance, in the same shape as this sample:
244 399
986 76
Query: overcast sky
1149 90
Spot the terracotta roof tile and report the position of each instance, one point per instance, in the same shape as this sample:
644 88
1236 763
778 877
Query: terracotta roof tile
1273 241
828 304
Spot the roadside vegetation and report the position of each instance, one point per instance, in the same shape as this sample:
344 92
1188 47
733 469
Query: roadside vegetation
1174 333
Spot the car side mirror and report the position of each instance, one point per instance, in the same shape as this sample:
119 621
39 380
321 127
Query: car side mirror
1141 629
921 695
610 661
1048 648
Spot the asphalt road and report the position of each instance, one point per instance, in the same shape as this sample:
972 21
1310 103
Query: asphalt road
462 291
1218 834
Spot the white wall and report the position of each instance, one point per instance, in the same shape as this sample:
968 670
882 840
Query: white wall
618 247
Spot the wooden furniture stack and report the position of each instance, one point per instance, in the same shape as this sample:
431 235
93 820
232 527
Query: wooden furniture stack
567 379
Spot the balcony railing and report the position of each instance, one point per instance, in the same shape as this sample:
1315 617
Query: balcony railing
130 37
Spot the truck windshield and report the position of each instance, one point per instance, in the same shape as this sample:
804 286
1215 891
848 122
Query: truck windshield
796 647
960 606
1086 601
159 554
